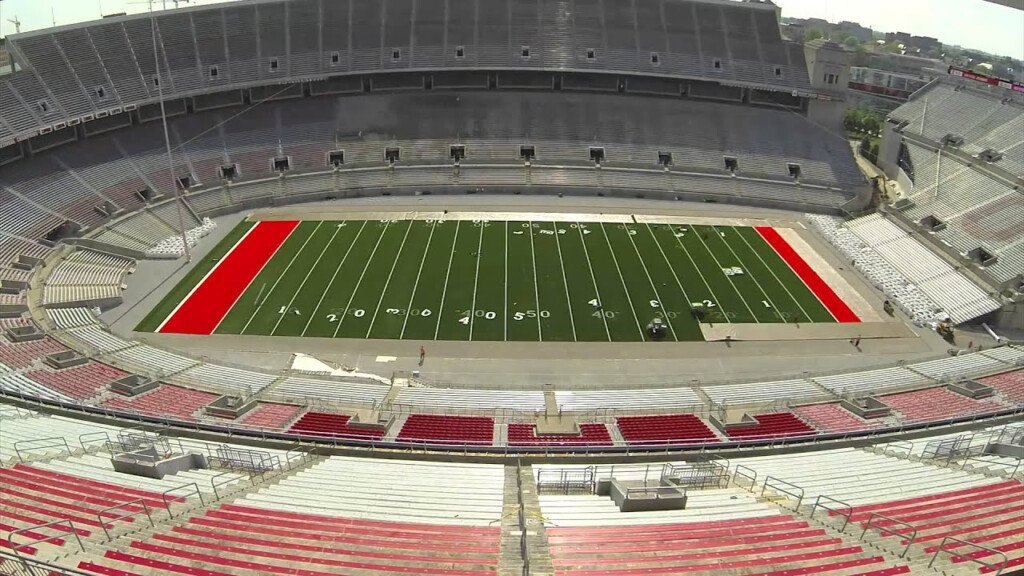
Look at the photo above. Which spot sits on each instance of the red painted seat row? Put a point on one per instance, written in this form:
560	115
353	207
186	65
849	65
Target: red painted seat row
775	545
776	425
593	434
270	415
79	382
166	400
430	428
675	428
327	424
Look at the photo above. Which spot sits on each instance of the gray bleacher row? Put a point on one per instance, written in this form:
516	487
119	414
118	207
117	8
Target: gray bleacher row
80	70
70	182
191	372
985	118
977	210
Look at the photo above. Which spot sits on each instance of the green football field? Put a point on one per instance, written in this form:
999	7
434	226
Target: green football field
507	281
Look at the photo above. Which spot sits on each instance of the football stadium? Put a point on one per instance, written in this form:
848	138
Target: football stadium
501	287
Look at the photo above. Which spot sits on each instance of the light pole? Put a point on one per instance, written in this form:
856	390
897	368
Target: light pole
180	201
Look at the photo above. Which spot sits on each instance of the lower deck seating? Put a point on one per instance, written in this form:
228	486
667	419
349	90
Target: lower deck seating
937	404
775	425
834	418
21	354
675	428
241	539
1009	384
775	545
79	382
436	429
593	434
326	424
164	401
270	415
991	515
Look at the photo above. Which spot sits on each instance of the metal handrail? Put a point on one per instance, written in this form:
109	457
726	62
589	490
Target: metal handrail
81	438
840	511
15	548
145	510
779	485
982	458
214	483
871	524
967	557
752	478
167	504
62	442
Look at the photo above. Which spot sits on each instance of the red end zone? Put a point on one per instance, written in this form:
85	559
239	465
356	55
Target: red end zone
204	307
821	289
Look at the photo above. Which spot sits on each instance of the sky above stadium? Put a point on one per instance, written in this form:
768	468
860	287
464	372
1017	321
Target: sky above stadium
969	23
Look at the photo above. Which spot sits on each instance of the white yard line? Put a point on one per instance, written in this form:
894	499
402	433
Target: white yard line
661	305
622	279
444	292
536	290
565	284
775	308
308	274
279	277
731	283
388	281
668	263
416	284
366	267
476	280
334	277
784	287
718	302
207	275
593	278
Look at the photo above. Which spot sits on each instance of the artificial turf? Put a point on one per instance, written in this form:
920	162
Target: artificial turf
508	281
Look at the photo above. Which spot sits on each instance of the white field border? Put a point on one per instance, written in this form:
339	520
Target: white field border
208	274
830	276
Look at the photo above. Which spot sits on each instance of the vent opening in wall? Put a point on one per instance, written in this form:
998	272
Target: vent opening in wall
214	72
460	52
185	182
778	71
731	164
396	54
336	158
156	81
392	154
527	152
597	154
524	52
717	64
274	64
457	152
655	58
335	57
591	54
281	164
228	172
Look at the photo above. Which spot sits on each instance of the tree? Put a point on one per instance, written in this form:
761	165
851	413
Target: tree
860	57
851	42
813	34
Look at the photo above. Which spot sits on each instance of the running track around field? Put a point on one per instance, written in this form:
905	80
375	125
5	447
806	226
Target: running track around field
204	307
821	289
